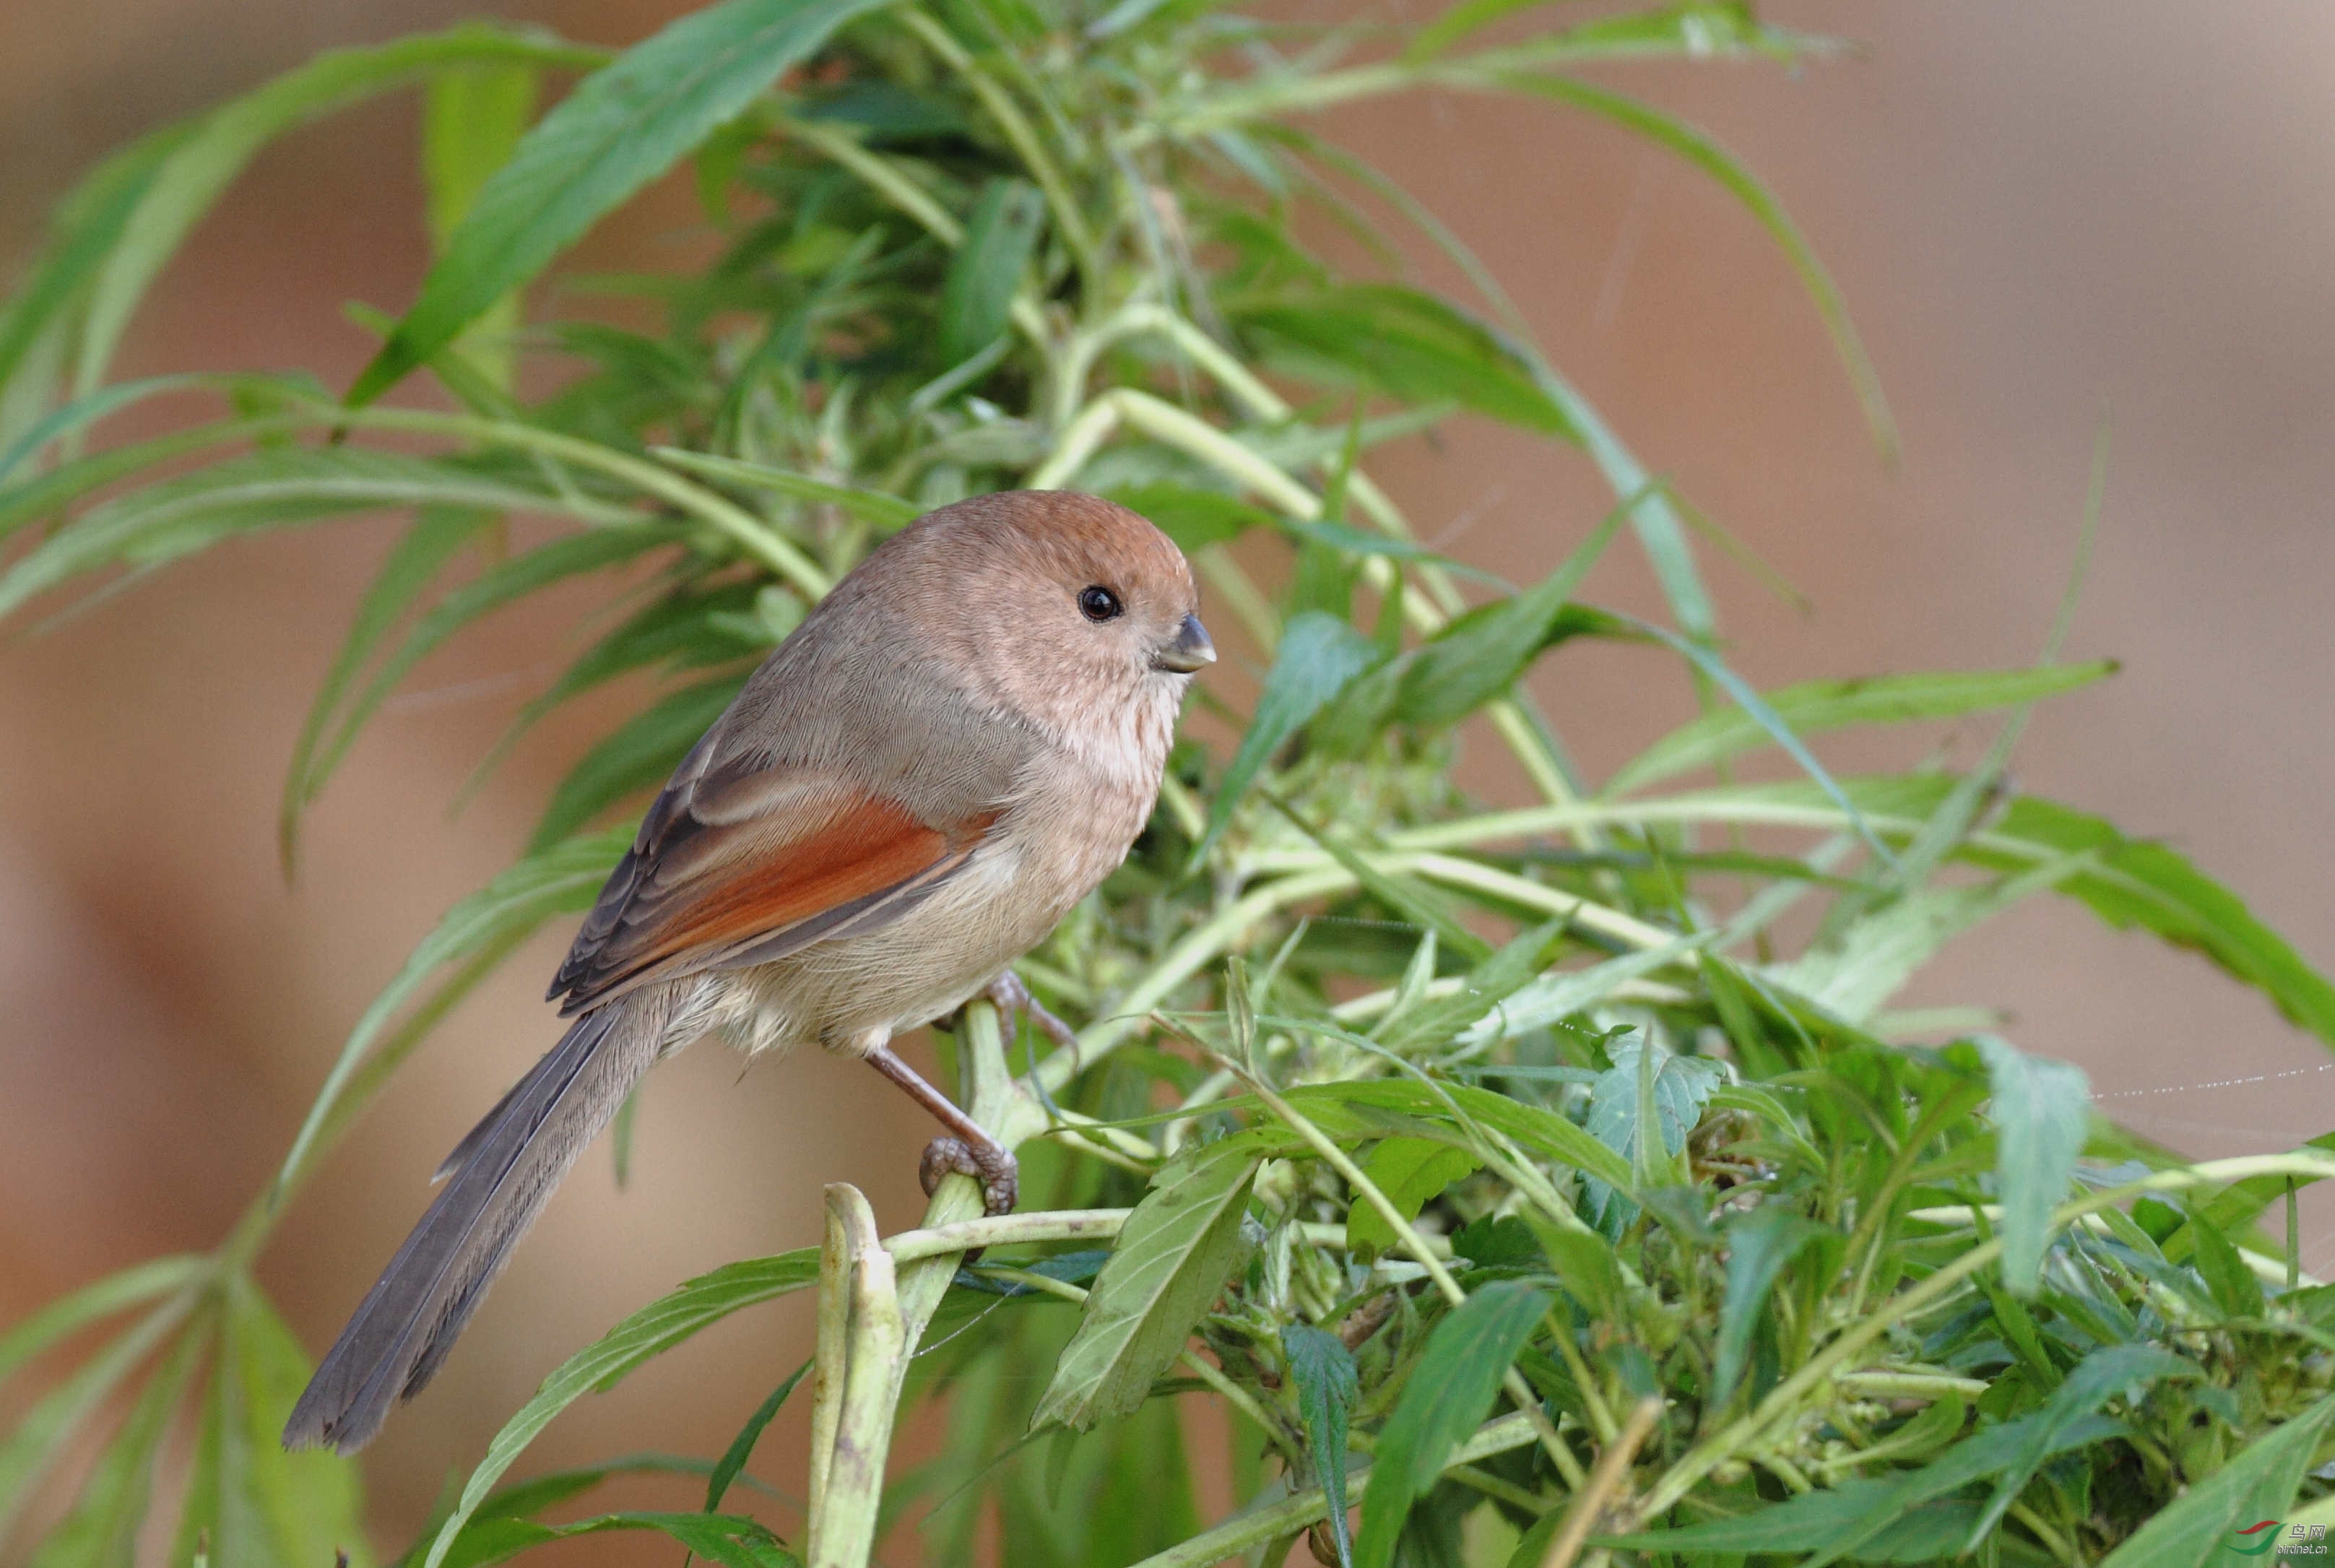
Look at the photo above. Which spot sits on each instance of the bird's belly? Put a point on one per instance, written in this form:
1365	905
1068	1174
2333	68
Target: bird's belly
855	990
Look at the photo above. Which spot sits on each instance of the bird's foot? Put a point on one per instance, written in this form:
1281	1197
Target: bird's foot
1011	995
990	1164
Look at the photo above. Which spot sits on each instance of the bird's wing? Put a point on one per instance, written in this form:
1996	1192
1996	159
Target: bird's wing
746	861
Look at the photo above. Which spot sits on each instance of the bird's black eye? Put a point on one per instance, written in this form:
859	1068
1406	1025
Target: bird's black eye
1098	602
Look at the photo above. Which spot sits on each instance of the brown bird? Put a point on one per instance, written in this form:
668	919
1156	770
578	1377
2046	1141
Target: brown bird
955	746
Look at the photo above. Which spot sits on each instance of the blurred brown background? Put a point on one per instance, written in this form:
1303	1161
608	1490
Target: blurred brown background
2041	216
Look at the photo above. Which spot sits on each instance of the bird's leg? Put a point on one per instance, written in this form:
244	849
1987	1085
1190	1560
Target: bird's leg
970	1151
1011	996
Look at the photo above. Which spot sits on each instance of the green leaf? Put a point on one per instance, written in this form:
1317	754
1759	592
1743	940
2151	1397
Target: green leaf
1194	518
1815	707
1443	1400
1699	30
2041	1110
651	1331
728	1539
977	293
885	511
638	756
1318	656
1665	1090
1432	1020
1409	344
742	1448
1323	1370
2148	885
1542	1131
472	119
2231	1284
1480	654
1846	1520
562	879
1171	1261
621	128
295	1507
278	488
99	1299
2104	1374
413	565
1758	1246
505	583
1409	1171
214	150
41	1435
2259	1484
1722	166
102	1531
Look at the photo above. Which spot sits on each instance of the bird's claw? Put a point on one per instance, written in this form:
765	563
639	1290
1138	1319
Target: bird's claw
991	1164
1011	995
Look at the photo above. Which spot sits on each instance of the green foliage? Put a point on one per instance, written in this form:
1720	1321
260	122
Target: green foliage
1443	1135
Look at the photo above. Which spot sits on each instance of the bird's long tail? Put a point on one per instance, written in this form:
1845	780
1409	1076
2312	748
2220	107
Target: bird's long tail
502	1175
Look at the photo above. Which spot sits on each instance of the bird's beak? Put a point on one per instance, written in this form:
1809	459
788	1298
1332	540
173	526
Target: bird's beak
1189	651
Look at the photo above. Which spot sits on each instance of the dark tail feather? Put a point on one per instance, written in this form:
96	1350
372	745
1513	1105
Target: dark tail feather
505	1172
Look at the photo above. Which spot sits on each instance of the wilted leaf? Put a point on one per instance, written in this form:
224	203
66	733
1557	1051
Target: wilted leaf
1671	1091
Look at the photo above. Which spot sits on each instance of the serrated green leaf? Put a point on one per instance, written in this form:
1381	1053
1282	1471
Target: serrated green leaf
1171	1261
1407	344
621	128
2259	1484
1443	1400
1318	656
1000	234
2042	1111
1637	1096
1409	1171
1323	1370
1815	707
600	1365
559	880
1758	1246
